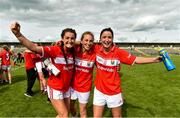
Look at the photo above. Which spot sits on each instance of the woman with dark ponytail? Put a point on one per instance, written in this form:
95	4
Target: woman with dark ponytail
109	58
62	57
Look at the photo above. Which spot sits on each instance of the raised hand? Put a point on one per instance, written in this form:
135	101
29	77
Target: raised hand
15	28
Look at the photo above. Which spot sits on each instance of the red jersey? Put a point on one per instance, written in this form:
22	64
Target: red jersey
5	55
84	70
30	59
61	81
107	77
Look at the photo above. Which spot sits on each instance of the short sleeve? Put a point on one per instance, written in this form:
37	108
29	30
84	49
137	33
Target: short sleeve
49	51
33	56
126	57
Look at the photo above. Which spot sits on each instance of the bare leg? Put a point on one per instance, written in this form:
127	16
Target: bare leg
1	76
98	111
67	103
5	76
83	112
9	76
116	112
60	107
72	108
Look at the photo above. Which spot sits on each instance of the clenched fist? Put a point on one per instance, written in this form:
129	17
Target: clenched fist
15	28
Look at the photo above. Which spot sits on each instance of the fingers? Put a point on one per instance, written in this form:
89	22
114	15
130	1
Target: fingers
159	59
58	43
15	26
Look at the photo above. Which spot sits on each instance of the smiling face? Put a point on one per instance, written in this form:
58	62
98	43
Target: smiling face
106	39
68	36
68	39
87	40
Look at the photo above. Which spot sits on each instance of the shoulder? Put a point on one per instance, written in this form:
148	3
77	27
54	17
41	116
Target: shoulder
77	48
2	52
52	48
97	47
119	49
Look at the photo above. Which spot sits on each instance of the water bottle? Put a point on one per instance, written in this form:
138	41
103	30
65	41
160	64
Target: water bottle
166	59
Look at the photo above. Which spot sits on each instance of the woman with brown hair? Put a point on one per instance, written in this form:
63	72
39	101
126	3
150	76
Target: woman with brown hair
6	64
63	59
82	82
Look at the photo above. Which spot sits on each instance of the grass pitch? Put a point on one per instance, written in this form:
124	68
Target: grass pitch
149	91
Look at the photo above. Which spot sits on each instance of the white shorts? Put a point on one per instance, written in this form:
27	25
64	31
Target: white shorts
56	94
81	96
6	67
112	101
39	66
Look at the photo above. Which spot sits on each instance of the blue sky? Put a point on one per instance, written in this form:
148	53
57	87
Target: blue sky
131	20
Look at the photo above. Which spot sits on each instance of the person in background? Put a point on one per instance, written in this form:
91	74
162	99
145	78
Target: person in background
15	57
30	60
62	67
108	89
19	57
42	81
6	65
1	72
82	82
22	58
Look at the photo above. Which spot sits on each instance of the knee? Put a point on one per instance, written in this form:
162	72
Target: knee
73	111
83	112
64	114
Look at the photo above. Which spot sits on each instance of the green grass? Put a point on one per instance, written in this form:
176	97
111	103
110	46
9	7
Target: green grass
149	91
